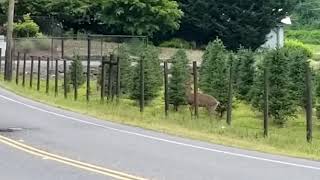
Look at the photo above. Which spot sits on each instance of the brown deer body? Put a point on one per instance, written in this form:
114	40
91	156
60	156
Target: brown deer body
204	100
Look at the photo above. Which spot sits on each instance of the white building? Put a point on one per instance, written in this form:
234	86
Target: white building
276	37
3	45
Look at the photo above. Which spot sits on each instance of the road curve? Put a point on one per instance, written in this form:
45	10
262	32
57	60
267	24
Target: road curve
132	151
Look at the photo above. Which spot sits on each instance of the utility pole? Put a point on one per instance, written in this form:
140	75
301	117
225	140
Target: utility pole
8	63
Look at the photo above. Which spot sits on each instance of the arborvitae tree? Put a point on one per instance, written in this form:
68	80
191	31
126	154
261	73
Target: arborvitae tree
179	79
281	105
125	69
214	73
152	75
76	72
245	75
298	55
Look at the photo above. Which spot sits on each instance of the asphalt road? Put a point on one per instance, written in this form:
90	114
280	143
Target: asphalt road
125	149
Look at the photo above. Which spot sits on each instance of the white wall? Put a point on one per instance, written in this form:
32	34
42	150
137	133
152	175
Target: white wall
274	37
3	45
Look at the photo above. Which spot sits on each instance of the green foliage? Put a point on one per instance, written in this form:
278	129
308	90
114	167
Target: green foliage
27	28
282	106
237	23
244	73
178	43
307	13
125	68
179	79
76	72
214	73
152	75
142	17
298	55
305	36
298	46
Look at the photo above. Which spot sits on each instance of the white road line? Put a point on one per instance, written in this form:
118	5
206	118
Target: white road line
164	140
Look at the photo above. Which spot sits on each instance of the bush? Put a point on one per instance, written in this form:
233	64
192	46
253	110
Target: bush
126	68
214	73
296	45
305	36
178	43
179	79
244	73
282	106
152	75
76	75
298	55
27	28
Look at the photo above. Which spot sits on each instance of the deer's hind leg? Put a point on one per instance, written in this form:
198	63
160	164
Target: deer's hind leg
191	108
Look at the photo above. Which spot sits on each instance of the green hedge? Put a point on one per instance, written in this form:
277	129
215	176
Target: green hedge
305	36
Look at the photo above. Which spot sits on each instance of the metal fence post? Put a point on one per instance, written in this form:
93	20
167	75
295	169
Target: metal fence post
230	96
24	70
31	71
118	89
266	103
195	93
18	68
39	71
166	91
102	80
56	78
48	75
309	103
142	84
88	69
65	81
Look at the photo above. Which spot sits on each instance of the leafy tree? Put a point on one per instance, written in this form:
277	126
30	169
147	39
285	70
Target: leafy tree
152	75
27	28
236	22
281	105
306	13
244	73
178	81
141	17
214	73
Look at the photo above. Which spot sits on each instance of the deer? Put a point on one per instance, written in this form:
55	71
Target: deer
204	100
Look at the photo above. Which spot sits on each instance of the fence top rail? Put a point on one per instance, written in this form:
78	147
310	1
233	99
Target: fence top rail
85	37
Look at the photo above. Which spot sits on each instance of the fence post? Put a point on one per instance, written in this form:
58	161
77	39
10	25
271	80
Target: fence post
230	96
65	80
24	70
102	80
142	84
110	77
309	103
56	78
195	89
18	67
266	103
75	83
88	69
166	91
48	75
39	69
31	71
118	89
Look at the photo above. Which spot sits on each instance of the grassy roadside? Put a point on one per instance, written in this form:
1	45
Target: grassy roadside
245	132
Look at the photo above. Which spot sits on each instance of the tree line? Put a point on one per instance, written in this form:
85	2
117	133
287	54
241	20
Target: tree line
237	23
